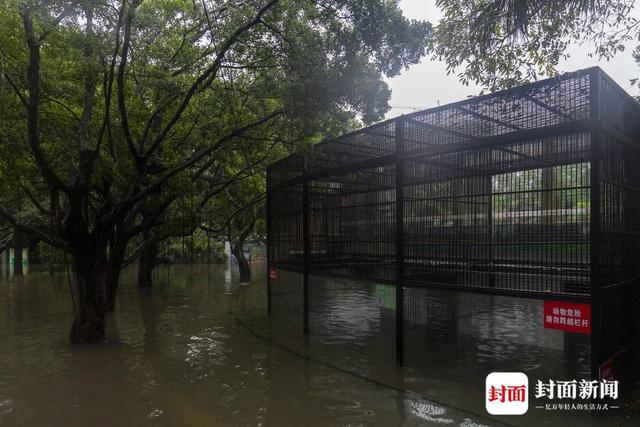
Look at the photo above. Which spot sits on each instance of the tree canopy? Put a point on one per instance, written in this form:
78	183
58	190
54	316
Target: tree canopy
503	43
112	109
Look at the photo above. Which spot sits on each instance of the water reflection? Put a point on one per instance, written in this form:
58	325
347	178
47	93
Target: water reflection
178	356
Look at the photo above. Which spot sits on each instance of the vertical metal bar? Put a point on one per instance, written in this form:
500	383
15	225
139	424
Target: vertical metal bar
269	243
305	250
595	235
488	189
399	164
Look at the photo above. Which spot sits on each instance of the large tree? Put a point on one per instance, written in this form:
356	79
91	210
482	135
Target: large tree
113	106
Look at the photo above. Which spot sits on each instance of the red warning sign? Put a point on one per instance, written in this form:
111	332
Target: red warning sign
606	371
567	316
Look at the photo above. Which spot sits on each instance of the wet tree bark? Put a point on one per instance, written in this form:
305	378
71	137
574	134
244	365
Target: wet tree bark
18	244
243	265
236	249
89	323
148	261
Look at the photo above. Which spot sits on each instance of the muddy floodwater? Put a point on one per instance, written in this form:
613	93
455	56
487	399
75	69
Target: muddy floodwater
199	350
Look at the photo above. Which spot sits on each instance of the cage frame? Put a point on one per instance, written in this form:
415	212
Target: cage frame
301	170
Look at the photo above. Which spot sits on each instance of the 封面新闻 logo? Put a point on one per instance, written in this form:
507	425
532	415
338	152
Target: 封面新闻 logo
507	393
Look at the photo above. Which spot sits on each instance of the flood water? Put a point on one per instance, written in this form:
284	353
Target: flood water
199	350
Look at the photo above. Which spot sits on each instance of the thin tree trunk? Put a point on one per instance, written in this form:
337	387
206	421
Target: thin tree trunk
236	249
243	265
191	251
18	243
6	261
33	250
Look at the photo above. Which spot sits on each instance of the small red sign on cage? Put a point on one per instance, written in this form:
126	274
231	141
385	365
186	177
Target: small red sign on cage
606	370
273	274
567	316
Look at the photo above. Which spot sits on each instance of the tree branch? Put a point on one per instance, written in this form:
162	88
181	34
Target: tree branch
135	254
234	214
33	82
90	83
56	21
106	123
122	105
32	231
210	72
150	220
200	155
16	90
35	201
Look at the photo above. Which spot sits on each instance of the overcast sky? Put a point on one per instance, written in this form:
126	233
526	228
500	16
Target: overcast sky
427	84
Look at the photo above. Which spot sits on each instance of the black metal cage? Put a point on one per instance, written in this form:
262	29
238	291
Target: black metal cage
530	192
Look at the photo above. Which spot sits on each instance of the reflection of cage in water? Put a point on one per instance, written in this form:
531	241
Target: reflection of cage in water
530	192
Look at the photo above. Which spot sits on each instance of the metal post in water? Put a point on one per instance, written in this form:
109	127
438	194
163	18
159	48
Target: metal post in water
269	243
596	300
399	165
305	250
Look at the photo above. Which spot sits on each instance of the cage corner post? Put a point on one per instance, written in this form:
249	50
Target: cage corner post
399	232
269	242
305	250
595	231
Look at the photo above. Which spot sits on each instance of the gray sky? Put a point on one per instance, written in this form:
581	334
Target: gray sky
427	84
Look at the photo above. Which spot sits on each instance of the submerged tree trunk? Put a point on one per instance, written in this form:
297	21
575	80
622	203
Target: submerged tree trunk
243	264
89	323
115	266
147	262
236	250
18	243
